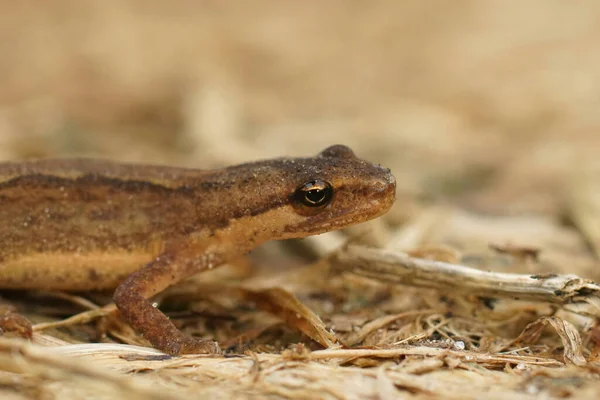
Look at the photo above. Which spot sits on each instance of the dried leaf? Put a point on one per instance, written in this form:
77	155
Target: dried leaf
573	347
285	305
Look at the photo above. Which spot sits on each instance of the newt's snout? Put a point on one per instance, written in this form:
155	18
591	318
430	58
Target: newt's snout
386	182
382	191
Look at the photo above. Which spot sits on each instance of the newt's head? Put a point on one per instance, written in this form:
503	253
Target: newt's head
297	197
337	189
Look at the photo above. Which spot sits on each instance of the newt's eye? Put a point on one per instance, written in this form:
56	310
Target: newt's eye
315	193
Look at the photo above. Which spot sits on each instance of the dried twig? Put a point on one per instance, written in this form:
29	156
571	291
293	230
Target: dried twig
573	292
429	352
81	318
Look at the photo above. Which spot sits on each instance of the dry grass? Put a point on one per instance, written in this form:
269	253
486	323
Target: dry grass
486	113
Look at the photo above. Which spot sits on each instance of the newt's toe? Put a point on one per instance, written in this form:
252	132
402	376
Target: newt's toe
14	322
189	345
200	346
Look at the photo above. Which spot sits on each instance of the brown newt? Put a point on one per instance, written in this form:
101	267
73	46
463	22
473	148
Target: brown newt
84	224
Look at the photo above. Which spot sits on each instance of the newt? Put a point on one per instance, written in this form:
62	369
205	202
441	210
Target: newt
84	224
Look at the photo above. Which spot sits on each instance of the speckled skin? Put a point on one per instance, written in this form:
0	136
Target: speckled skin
89	224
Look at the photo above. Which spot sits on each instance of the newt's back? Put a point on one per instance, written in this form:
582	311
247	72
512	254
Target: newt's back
87	223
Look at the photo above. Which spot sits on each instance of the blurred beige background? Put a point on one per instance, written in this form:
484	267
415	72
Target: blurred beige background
492	103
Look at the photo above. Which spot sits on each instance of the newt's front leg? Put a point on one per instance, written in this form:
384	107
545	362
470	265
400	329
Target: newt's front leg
131	297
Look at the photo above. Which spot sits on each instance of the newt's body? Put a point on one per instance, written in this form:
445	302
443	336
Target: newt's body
87	224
